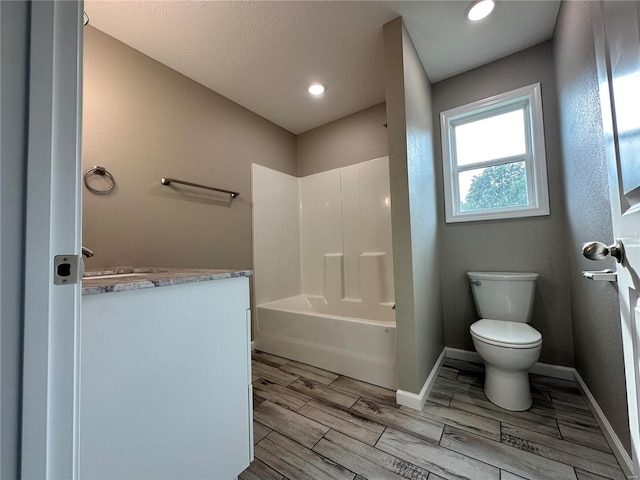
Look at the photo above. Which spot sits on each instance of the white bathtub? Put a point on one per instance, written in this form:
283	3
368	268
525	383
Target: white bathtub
334	337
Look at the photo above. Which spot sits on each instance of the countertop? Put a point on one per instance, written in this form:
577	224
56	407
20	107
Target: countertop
128	278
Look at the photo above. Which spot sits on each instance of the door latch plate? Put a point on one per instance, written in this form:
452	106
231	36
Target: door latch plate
67	269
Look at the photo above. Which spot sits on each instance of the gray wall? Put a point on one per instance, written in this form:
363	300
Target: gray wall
414	210
353	139
594	305
534	244
13	98
143	121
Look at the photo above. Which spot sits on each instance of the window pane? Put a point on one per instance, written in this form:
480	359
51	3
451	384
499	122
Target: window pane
493	187
491	138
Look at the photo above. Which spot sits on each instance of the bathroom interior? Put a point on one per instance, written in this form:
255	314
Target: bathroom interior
304	220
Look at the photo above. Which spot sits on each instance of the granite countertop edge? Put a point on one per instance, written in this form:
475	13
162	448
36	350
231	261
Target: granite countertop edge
126	279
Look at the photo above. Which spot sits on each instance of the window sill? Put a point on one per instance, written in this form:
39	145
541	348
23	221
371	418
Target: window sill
496	215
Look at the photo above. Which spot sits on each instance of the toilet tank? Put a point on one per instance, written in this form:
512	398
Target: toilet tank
503	295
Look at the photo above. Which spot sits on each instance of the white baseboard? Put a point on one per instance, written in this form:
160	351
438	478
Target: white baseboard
553	371
253	345
566	373
417	401
465	355
614	442
546	369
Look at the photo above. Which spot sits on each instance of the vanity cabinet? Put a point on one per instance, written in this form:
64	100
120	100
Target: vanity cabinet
164	389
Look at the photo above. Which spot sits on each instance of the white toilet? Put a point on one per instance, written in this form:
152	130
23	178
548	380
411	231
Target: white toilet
508	346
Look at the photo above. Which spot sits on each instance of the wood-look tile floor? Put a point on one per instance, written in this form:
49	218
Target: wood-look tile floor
313	424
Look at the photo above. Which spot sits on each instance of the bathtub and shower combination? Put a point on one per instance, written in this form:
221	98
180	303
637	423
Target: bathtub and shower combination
323	270
347	338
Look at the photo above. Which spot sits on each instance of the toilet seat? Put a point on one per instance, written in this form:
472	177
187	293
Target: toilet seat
506	334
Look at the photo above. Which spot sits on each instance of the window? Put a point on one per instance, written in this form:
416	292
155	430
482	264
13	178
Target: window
493	157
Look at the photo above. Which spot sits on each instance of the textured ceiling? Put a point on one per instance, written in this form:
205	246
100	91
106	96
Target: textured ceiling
264	54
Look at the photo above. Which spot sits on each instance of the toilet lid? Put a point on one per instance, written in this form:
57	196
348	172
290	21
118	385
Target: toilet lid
514	334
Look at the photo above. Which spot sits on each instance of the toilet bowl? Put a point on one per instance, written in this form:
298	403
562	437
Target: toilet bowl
503	338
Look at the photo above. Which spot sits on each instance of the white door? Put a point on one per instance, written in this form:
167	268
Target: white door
52	312
617	42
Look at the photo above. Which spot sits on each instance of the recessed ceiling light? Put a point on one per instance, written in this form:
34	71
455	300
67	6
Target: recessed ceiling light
316	89
480	9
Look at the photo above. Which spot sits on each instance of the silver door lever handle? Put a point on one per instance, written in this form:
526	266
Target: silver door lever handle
599	251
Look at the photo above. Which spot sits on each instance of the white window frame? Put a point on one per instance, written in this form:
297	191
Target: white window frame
534	158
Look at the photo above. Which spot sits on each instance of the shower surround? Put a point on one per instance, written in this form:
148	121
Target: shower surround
324	270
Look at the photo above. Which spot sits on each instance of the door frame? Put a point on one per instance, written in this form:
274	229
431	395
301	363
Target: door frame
53	226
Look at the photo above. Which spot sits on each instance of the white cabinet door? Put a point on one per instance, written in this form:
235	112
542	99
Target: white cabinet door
163	391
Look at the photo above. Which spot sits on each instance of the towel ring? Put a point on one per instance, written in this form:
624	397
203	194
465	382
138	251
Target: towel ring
96	170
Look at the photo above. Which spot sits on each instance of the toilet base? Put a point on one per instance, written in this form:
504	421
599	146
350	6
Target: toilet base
508	389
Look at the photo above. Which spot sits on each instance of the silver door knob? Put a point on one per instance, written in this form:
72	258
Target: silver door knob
599	251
